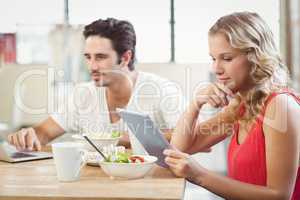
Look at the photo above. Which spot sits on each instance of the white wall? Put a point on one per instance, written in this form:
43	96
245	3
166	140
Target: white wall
35	87
35	91
32	91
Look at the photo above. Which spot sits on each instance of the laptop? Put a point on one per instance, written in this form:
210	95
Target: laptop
9	153
147	133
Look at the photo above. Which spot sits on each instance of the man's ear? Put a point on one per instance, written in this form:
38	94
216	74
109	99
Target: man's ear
126	58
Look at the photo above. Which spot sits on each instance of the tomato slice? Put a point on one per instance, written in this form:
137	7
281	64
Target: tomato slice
135	158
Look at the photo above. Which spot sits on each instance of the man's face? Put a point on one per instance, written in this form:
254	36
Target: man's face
101	59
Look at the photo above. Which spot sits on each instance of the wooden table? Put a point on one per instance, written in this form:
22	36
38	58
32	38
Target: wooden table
37	180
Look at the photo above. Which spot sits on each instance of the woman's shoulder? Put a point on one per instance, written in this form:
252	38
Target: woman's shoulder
280	108
282	96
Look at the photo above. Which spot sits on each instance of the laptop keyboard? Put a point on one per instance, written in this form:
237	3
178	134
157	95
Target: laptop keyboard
21	155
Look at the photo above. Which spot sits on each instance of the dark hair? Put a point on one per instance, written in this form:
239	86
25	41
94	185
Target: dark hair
120	32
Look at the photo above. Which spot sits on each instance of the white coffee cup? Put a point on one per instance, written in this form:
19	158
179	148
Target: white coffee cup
69	158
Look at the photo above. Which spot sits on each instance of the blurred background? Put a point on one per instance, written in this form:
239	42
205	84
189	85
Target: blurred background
41	47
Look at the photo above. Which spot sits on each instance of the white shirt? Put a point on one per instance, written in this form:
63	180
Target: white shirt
86	109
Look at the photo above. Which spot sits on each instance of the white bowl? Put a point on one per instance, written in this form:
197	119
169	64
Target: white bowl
99	142
129	170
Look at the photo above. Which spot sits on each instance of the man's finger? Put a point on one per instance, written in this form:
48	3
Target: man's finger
21	138
15	141
10	139
21	141
29	141
37	145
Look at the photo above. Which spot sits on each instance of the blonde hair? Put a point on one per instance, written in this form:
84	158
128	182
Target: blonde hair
249	33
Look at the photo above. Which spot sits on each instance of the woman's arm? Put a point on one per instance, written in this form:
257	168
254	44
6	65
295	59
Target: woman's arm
281	130
183	135
282	153
192	136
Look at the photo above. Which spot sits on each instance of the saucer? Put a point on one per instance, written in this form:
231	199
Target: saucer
93	159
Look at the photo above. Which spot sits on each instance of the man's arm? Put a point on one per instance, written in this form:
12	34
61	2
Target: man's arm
48	130
124	141
34	137
167	133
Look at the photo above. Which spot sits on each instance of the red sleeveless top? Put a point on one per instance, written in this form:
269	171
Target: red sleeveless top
247	161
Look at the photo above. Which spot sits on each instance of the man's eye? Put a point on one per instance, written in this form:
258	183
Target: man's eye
100	57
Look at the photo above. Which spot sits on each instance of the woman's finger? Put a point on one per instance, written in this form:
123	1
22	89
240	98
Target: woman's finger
217	100
172	167
172	160
174	153
222	95
212	102
224	88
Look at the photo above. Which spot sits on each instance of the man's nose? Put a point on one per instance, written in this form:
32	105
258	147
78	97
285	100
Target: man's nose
94	65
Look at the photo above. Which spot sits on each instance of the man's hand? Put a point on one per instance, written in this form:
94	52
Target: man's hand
25	139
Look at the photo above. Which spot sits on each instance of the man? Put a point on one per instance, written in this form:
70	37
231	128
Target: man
110	55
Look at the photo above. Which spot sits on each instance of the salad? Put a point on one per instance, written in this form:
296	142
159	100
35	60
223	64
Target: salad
121	157
113	134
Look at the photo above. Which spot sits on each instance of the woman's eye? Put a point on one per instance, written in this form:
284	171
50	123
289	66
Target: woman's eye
227	59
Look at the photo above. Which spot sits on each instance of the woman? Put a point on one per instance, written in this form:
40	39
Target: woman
262	117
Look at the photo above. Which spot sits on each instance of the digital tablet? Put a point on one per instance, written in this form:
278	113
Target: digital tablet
147	133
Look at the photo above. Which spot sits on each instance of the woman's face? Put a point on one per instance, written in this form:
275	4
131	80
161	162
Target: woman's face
230	65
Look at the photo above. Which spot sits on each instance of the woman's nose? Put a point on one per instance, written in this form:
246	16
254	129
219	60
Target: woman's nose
217	67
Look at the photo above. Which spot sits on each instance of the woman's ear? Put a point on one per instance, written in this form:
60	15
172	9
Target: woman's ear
126	58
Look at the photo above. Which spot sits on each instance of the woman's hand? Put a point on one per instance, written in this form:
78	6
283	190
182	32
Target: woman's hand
231	111
183	165
215	94
219	95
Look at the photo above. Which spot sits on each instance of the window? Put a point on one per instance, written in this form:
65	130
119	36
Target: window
194	18
31	20
150	20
